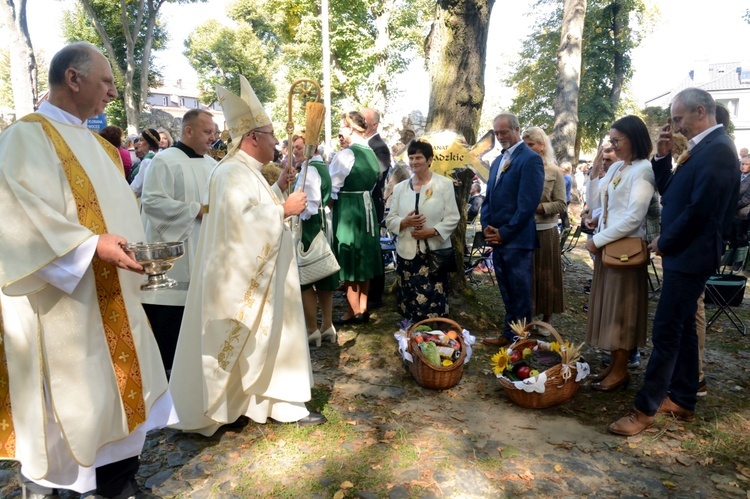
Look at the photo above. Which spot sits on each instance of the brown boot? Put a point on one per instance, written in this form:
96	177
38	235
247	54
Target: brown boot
669	407
603	374
632	423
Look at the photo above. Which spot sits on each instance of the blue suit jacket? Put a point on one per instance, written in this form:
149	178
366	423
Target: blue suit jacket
511	201
699	203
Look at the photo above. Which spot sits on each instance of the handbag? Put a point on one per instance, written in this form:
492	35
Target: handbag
625	252
318	262
442	260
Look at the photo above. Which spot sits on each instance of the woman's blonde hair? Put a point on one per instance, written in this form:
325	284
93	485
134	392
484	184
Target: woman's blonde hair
537	135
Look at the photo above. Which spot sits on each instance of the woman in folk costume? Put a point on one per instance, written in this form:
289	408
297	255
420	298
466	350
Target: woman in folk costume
318	189
354	172
242	349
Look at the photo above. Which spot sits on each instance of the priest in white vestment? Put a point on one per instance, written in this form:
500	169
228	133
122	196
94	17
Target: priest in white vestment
242	349
171	209
81	380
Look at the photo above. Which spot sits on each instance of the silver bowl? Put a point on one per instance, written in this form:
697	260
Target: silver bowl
157	259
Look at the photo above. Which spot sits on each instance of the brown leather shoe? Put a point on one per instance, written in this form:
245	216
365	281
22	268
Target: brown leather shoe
632	423
496	342
669	407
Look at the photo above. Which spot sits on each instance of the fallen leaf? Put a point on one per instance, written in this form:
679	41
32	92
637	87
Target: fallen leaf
632	445
646	452
558	468
339	494
346	485
394	411
526	475
668	484
390	434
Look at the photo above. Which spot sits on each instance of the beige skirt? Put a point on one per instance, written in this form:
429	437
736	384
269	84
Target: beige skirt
547	284
618	307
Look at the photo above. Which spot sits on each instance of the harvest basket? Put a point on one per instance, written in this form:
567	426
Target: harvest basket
558	390
434	377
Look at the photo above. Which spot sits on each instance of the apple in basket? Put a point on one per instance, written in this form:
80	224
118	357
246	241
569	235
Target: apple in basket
523	372
515	356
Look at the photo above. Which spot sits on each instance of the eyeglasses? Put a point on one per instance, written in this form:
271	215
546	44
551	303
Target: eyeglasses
616	142
263	131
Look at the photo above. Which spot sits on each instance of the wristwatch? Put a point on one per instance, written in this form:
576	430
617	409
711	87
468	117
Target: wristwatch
436	233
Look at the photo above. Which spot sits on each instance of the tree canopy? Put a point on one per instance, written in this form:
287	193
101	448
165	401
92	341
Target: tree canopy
611	30
371	41
128	32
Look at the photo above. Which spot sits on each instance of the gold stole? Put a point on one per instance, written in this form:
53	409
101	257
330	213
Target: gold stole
111	302
7	433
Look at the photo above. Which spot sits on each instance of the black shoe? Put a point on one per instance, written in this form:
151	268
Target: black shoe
312	419
365	316
354	319
240	423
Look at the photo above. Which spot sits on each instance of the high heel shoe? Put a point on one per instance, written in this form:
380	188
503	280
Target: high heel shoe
315	336
330	332
601	387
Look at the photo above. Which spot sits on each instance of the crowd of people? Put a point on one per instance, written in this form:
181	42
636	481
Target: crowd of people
90	363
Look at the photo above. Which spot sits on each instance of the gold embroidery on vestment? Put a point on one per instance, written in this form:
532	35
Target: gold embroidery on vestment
233	335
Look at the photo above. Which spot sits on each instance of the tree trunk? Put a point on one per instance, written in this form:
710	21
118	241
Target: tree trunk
134	98
569	58
382	42
618	64
462	186
23	70
456	49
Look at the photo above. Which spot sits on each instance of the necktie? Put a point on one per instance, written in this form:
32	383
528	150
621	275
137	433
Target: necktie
503	160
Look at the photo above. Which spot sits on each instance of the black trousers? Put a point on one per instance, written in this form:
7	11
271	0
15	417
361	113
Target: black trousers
115	480
165	321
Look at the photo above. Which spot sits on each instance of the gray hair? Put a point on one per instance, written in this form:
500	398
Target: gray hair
512	120
537	135
693	97
77	55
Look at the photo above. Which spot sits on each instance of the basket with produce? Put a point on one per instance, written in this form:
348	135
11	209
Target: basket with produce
537	374
438	353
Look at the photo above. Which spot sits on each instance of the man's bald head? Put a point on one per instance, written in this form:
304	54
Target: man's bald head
372	117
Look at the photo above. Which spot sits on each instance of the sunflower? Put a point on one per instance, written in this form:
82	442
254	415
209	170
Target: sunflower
500	361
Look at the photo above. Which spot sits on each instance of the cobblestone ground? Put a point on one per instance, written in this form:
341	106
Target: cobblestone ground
388	437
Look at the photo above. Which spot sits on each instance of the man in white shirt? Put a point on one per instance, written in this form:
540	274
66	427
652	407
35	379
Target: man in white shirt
171	210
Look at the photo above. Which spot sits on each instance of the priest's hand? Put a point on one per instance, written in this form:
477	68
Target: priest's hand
295	204
111	248
286	178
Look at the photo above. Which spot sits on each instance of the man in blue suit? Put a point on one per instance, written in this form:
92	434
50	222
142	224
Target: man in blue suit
513	193
699	200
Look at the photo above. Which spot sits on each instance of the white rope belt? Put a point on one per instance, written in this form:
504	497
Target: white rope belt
368	208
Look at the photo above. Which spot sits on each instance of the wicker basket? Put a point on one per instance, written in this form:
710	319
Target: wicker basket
427	375
557	390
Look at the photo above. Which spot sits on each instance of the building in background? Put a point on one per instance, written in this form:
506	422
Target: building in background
729	85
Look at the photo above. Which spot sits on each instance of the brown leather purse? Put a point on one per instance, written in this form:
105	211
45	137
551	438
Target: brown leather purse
625	252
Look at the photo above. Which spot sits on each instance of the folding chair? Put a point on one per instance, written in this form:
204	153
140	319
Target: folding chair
567	245
388	251
727	289
479	260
